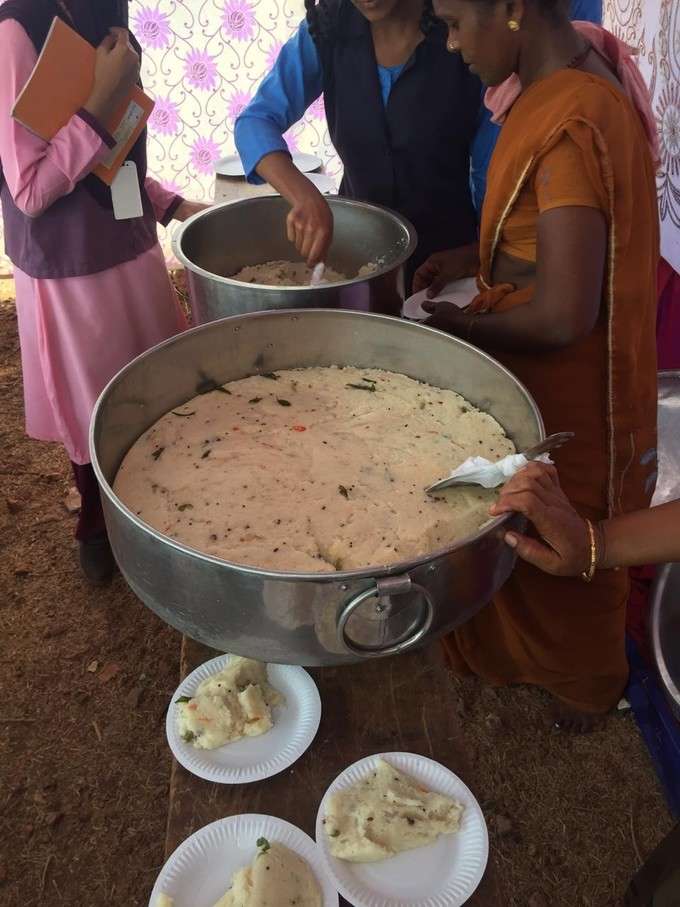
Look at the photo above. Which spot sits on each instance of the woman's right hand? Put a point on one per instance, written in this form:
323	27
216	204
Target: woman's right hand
310	224
310	221
116	71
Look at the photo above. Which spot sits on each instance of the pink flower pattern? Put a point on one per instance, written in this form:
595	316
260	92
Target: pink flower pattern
239	20
165	117
151	27
200	70
204	153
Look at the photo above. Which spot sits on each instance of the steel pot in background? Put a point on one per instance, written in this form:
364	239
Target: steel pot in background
221	240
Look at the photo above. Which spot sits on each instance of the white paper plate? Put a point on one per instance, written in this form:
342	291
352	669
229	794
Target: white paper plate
252	758
323	183
198	873
231	164
460	293
443	874
307	163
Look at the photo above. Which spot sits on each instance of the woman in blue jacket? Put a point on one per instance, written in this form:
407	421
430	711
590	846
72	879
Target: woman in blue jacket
402	113
405	116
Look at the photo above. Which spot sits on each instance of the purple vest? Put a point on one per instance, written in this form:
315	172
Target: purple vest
78	233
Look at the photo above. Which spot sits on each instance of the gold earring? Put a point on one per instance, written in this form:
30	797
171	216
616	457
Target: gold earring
513	25
452	46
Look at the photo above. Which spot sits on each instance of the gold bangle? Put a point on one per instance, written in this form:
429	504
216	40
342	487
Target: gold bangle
588	574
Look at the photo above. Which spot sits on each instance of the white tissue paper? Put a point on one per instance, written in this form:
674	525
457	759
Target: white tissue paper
480	471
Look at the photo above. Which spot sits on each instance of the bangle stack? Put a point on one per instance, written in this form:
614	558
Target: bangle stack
589	572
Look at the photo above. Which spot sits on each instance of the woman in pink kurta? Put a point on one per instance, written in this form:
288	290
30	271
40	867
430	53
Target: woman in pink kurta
91	292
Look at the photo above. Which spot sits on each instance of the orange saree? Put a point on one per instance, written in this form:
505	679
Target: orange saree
573	139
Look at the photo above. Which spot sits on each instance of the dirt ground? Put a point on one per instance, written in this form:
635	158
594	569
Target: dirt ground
84	766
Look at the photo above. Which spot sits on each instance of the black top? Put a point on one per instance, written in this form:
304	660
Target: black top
413	154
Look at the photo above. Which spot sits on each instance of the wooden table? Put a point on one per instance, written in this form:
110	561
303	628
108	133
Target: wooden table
405	703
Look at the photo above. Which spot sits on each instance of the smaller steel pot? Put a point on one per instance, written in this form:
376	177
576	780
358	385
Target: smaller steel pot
221	240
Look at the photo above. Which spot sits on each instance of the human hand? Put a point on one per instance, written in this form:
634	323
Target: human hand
188	208
448	317
564	545
310	224
116	71
444	267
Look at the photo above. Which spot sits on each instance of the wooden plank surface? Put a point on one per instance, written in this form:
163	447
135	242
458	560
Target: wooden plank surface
405	703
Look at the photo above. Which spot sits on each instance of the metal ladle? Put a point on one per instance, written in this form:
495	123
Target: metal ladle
552	442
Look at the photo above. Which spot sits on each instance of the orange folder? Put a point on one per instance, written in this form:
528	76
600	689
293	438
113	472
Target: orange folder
61	83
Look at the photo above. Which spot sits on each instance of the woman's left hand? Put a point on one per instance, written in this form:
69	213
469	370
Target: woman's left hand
447	317
446	266
188	209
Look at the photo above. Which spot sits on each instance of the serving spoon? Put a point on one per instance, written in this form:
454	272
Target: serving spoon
317	275
552	442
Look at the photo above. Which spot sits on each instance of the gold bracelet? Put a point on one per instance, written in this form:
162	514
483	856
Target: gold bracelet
588	574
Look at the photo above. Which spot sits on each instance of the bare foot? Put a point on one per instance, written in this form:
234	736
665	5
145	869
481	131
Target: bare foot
572	721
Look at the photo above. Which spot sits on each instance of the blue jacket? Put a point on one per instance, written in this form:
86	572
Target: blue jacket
297	80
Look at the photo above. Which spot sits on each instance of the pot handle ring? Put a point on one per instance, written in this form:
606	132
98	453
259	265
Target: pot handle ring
389	586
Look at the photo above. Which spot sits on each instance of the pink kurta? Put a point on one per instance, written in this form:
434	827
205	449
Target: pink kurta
75	332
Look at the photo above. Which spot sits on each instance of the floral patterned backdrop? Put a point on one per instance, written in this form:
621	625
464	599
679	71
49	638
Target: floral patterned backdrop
203	60
653	27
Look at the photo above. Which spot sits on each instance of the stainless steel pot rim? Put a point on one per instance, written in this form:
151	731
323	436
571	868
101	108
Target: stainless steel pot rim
662	580
403	256
337	576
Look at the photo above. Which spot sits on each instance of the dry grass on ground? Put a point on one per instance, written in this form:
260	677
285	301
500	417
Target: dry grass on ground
86	676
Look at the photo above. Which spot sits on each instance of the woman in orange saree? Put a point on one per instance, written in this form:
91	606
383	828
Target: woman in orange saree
568	258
